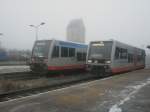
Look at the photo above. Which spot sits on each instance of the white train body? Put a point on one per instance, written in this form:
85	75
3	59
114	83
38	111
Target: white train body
114	57
56	55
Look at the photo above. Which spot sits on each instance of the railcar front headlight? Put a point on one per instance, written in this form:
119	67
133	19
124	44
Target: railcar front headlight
89	61
95	61
108	62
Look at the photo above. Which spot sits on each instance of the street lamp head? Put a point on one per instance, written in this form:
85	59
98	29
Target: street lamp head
42	23
36	29
148	46
1	34
31	25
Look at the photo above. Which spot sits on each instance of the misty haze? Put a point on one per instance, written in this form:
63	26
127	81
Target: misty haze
126	21
74	55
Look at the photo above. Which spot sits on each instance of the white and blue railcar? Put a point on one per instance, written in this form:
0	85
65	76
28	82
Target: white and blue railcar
57	55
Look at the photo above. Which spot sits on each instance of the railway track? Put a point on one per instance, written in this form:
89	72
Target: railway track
58	83
19	76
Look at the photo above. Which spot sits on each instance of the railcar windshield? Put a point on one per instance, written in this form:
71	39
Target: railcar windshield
41	49
100	50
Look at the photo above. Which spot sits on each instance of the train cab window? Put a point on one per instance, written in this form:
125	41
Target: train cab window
71	52
64	52
55	52
41	48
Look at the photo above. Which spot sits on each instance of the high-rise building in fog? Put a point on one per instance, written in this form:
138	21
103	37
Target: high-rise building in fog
76	31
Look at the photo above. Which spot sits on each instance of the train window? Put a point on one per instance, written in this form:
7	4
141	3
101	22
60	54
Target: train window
55	52
123	53
130	58
139	58
81	56
143	55
71	52
117	53
64	52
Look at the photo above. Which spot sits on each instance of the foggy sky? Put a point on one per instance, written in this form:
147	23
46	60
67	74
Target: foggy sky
124	20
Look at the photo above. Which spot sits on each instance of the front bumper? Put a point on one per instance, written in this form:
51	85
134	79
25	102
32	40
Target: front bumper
98	67
38	67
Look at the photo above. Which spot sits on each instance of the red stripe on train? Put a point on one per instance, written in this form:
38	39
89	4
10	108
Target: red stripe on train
126	69
66	67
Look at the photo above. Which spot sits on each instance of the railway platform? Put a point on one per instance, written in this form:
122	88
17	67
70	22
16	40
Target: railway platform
128	92
11	69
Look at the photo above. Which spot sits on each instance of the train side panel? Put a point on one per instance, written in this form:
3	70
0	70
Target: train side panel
129	58
139	58
121	63
69	56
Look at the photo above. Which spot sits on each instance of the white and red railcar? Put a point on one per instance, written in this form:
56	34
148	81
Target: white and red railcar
57	55
114	57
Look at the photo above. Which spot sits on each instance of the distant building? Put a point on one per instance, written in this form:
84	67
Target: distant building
3	54
76	31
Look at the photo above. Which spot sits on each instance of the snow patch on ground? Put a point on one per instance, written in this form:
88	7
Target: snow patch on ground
135	89
10	69
115	108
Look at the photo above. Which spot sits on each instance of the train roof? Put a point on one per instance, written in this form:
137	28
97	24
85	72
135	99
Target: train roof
62	41
116	41
68	43
128	45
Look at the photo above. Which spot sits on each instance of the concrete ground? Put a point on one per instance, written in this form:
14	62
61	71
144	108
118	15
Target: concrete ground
129	92
10	69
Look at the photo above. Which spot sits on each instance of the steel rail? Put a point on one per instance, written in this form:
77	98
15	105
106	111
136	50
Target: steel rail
27	92
19	76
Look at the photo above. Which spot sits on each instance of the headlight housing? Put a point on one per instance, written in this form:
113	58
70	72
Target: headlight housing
95	61
108	62
89	61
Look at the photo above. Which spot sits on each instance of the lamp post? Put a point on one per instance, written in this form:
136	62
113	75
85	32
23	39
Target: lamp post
1	34
36	29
